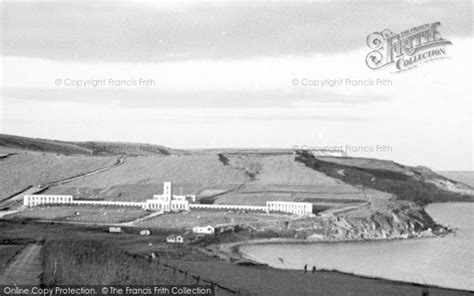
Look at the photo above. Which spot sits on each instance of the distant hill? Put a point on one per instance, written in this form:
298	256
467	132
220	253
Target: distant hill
82	148
418	184
466	177
221	176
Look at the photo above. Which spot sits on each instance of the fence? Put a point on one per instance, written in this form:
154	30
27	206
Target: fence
218	288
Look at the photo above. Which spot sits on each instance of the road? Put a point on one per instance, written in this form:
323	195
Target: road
2	156
5	213
119	162
25	269
14	202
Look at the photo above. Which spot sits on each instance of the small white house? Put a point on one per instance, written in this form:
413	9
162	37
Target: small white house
115	229
145	232
204	230
175	239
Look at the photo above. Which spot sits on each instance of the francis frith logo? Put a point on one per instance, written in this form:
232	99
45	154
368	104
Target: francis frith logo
407	49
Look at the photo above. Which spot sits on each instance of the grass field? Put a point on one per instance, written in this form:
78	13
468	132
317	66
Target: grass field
89	214
366	163
235	178
218	176
7	252
274	176
18	143
280	177
97	263
141	177
415	186
204	218
24	169
272	282
78	255
22	232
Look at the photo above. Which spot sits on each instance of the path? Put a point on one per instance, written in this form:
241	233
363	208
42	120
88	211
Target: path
119	162
5	213
25	269
5	155
13	202
147	217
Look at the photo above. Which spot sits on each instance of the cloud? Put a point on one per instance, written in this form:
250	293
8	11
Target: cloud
102	31
138	98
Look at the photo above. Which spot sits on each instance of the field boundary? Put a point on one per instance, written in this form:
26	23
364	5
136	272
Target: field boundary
198	278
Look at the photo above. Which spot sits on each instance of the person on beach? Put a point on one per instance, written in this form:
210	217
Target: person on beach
306	268
314	269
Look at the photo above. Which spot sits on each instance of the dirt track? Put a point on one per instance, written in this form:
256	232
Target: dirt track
13	202
120	161
25	269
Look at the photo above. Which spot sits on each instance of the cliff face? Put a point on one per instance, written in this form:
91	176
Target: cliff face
426	175
417	184
405	220
398	223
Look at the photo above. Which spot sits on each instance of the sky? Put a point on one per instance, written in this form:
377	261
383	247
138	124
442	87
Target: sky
204	74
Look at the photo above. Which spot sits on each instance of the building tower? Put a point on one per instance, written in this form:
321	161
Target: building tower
167	190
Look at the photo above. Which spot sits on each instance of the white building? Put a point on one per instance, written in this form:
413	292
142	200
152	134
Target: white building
115	229
298	208
145	232
204	230
168	202
175	239
36	200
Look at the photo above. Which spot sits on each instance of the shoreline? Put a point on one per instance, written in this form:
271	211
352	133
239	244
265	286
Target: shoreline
332	278
235	249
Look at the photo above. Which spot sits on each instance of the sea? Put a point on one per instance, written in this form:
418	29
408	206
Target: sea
445	261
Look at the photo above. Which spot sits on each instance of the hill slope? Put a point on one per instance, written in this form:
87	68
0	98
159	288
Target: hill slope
220	176
417	184
10	143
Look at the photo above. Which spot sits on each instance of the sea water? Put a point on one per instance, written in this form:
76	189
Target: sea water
446	261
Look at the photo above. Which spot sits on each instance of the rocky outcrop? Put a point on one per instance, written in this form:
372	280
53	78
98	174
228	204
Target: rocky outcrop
401	222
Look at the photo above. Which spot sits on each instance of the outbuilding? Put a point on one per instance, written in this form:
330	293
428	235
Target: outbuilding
145	232
204	230
175	239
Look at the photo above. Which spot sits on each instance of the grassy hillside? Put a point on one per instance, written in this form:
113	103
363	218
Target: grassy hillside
412	184
90	214
280	177
366	163
237	178
222	176
7	252
41	145
10	143
97	263
23	169
466	177
141	177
